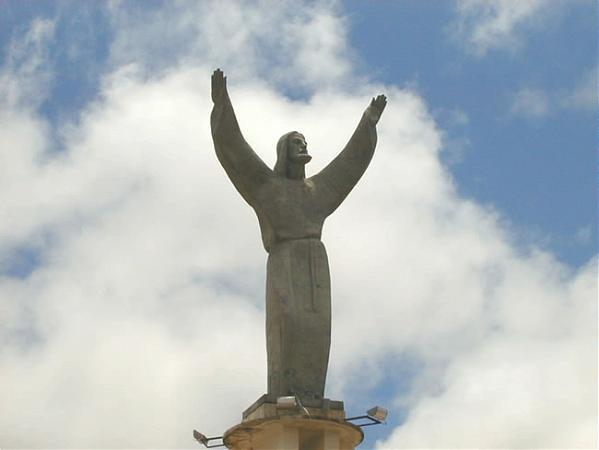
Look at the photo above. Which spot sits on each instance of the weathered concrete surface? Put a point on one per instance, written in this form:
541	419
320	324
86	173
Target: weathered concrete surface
291	210
293	433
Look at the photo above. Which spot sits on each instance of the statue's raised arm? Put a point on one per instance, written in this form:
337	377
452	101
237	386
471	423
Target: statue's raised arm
338	178
244	167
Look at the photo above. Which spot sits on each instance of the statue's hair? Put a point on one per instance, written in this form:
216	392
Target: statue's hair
281	167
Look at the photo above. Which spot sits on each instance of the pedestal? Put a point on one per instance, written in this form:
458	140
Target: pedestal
269	427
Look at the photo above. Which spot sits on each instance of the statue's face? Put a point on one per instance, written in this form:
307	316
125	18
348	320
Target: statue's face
297	149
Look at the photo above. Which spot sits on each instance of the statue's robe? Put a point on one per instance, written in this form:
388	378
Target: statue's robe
291	214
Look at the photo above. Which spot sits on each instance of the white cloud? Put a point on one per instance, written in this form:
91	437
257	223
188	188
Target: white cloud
484	25
530	103
584	235
26	73
584	95
291	47
536	360
144	318
537	103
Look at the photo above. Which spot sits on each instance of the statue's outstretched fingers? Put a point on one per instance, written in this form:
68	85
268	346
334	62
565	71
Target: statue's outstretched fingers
218	85
218	76
381	102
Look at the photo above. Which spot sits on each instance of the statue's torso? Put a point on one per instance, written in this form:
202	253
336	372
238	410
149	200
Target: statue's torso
298	292
289	209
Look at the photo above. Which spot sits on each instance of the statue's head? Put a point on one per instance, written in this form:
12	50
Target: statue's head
291	149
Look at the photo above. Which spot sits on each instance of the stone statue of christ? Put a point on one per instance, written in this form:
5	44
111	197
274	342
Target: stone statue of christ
291	210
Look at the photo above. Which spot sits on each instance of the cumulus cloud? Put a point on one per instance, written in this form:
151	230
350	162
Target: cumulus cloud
143	316
26	71
536	351
530	102
483	25
584	95
292	48
537	103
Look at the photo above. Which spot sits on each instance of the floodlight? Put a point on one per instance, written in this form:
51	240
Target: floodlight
288	402
374	416
200	437
291	402
205	441
379	413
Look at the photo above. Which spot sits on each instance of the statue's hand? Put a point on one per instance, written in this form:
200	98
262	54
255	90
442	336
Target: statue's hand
219	86
375	109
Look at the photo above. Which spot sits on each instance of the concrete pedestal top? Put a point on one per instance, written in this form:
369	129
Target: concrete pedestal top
293	433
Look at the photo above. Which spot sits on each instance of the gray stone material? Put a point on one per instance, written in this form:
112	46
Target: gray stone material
291	210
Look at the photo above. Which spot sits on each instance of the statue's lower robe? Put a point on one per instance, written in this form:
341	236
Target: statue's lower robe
298	318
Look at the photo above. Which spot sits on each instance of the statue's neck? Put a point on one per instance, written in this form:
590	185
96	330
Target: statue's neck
296	171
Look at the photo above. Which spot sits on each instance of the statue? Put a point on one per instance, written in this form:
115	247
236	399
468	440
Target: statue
291	210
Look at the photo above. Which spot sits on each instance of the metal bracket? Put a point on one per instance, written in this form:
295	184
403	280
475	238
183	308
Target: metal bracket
373	421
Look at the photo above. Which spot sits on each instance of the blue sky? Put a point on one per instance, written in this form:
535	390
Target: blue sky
538	171
474	230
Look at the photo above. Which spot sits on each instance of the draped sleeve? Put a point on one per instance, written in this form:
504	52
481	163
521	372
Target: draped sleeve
336	180
243	166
